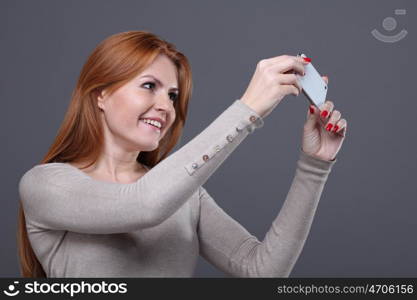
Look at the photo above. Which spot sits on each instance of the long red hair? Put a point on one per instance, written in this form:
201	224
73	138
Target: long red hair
114	62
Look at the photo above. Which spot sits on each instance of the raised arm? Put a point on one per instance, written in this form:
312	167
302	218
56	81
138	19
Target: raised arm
232	249
59	196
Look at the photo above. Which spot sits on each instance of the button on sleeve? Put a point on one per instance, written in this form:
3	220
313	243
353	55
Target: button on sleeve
244	121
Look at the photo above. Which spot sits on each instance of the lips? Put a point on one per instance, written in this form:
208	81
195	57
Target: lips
160	120
150	126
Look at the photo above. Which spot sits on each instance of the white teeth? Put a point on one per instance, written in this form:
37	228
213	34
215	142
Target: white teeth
152	122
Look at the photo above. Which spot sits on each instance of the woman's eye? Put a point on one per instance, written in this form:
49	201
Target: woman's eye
151	83
173	96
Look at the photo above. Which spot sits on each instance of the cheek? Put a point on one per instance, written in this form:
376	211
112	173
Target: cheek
173	116
117	121
171	121
122	117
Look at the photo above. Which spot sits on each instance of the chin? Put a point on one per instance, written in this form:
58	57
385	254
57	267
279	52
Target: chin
148	147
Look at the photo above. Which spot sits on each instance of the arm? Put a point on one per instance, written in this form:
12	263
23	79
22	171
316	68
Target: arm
57	196
231	248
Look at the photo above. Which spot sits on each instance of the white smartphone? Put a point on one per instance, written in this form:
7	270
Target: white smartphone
313	86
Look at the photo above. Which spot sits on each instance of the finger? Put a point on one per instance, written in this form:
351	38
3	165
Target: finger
281	58
289	79
340	125
326	79
326	109
290	89
312	116
333	119
290	63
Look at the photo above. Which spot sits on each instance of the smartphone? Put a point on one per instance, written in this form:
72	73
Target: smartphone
313	86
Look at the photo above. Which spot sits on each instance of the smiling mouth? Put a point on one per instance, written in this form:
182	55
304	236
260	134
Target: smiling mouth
157	129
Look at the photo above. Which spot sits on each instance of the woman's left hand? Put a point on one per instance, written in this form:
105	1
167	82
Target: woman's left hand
322	141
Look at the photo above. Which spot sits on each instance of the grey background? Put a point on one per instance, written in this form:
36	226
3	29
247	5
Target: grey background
365	224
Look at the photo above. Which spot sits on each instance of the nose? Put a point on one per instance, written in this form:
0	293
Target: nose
163	102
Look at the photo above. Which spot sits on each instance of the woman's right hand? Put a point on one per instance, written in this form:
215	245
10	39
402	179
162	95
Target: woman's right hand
272	81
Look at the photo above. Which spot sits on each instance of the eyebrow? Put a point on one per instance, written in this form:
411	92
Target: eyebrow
158	81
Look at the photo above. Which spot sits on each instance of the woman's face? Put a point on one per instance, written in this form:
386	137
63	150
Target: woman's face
141	97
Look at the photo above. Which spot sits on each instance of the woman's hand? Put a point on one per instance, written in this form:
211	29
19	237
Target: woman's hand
323	141
270	82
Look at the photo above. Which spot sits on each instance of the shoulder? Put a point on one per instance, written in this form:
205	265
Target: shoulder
41	174
49	169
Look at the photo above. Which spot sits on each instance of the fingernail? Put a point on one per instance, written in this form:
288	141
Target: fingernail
311	109
307	59
324	113
329	127
335	128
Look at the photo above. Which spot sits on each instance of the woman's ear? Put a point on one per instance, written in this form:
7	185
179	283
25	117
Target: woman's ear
100	96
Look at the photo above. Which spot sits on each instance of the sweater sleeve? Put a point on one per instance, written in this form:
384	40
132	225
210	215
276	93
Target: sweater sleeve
232	249
59	196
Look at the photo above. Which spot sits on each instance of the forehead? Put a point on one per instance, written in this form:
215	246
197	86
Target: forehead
163	69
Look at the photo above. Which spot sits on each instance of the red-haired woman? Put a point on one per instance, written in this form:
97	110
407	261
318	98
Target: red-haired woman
108	201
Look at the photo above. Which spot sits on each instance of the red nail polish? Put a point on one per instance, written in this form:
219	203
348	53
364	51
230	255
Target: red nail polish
307	59
329	127
324	113
335	128
311	109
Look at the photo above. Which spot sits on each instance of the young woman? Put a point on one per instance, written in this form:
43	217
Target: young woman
108	201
